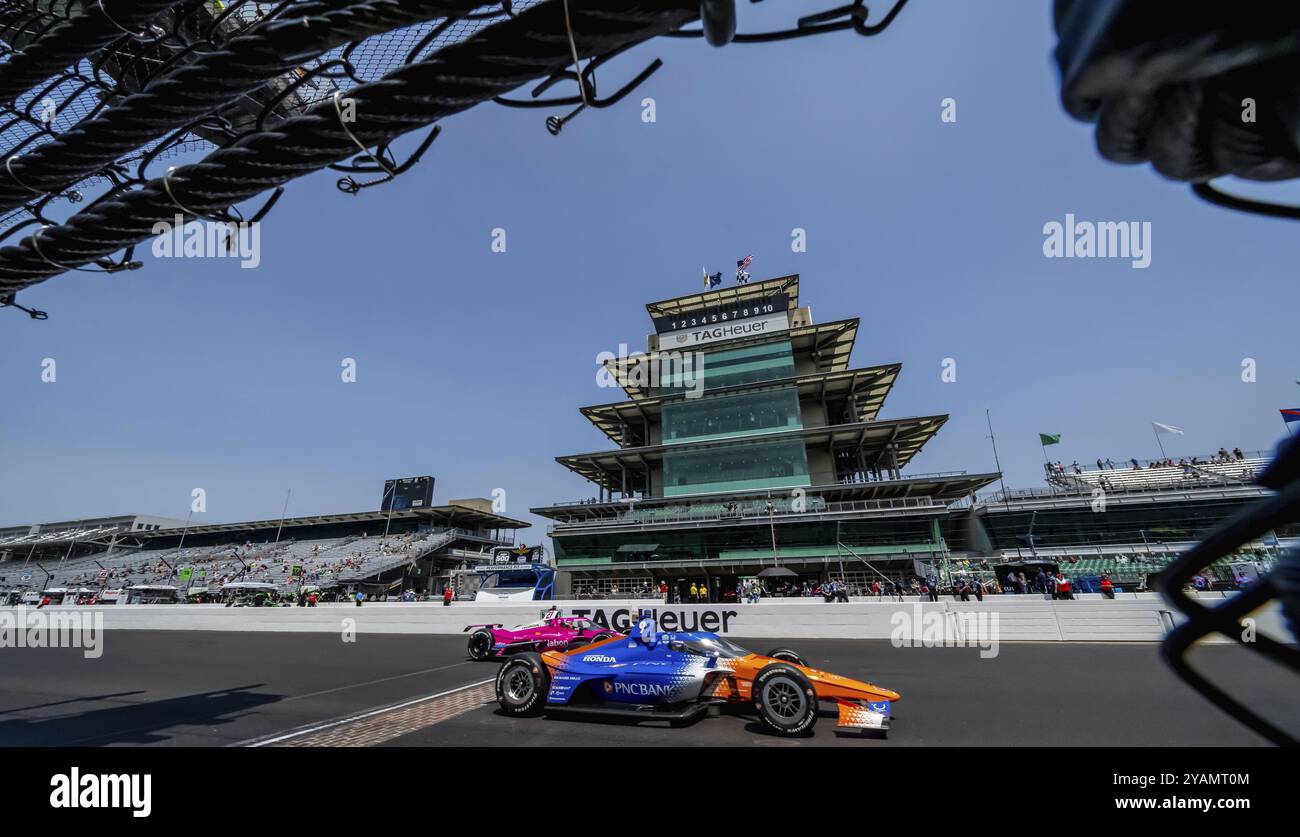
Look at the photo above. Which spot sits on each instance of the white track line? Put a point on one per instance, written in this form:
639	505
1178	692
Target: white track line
331	724
373	682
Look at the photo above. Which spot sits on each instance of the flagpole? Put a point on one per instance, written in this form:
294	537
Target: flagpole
996	462
1156	431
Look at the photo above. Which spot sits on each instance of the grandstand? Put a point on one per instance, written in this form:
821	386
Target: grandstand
1127	522
69	538
414	549
1162	473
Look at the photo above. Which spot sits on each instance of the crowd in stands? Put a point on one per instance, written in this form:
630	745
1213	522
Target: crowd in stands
323	563
970	580
1223	457
1223	468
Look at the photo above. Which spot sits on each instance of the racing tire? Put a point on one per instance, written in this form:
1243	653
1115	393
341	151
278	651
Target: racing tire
601	637
480	644
785	655
522	685
785	700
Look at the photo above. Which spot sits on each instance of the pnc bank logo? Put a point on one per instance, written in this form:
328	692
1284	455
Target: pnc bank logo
641	689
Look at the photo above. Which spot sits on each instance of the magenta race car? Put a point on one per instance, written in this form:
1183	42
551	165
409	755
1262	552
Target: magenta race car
552	631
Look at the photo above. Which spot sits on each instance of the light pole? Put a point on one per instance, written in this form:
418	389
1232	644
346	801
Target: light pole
771	525
391	499
284	511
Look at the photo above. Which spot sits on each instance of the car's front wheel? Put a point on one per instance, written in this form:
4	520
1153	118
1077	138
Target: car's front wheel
522	685
785	700
785	655
480	644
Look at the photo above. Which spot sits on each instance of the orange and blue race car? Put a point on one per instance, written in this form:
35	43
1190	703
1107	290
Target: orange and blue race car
678	676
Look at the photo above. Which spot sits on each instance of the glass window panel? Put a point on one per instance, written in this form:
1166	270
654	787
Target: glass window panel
737	467
747	414
729	367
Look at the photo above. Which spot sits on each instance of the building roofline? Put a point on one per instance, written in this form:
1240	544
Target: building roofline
730	293
910	433
875	382
451	512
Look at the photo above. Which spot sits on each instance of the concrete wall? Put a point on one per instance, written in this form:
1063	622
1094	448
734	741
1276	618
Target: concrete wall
1141	617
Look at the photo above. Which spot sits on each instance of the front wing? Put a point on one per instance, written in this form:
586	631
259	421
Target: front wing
853	715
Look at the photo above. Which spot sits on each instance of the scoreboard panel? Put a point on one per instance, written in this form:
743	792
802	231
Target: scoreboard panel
716	315
406	493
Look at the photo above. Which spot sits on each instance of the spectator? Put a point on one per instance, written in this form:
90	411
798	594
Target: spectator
360	597
1107	588
1063	587
447	595
1238	454
1040	581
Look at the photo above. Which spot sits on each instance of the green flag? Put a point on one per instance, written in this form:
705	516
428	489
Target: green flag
1046	439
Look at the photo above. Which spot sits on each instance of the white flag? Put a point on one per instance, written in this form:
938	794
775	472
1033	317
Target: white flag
1166	428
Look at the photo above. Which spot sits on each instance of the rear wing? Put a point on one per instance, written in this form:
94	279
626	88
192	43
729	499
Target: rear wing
467	627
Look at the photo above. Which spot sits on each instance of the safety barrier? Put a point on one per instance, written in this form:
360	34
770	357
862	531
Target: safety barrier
1142	618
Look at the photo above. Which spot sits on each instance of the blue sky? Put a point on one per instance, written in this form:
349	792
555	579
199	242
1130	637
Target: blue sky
471	364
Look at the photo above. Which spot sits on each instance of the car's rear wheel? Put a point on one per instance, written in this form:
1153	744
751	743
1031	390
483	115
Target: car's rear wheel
785	699
480	644
522	685
785	655
601	637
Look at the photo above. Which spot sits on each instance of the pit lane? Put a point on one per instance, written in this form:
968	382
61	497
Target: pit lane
216	688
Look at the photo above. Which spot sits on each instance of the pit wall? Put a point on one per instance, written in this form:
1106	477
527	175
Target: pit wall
1128	618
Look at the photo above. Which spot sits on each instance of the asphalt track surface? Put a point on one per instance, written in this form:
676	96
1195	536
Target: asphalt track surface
216	688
